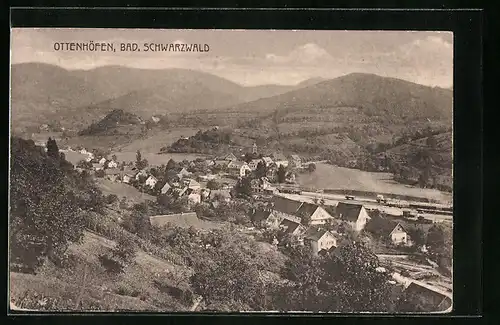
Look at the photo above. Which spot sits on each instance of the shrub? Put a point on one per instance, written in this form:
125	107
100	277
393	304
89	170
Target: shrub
125	250
111	198
110	264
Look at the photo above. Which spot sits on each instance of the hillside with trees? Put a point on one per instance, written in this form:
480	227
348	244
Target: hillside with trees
117	122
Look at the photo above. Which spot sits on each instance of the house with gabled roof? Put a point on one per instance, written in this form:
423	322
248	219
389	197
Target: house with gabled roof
316	214
268	161
286	208
354	214
254	163
112	174
387	229
165	188
183	173
296	161
296	210
151	181
221	163
292	227
228	157
128	173
141	173
265	218
319	240
192	184
239	168
280	160
97	166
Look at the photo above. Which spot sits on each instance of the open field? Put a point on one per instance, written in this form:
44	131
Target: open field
332	177
120	189
73	156
153	143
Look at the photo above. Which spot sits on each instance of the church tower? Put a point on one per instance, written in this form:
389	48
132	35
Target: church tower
254	148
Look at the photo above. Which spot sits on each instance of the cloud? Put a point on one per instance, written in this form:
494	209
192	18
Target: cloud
307	54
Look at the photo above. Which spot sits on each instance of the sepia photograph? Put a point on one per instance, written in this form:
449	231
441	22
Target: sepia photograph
231	171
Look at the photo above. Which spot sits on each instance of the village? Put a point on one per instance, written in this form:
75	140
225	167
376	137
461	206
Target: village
285	214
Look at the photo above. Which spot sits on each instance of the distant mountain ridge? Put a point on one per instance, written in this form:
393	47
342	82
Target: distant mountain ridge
369	94
43	92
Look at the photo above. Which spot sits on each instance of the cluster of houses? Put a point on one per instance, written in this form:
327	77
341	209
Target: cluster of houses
289	215
240	168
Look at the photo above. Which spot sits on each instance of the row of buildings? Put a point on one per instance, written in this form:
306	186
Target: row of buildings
305	220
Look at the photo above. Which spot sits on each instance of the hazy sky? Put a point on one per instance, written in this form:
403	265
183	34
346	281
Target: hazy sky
256	57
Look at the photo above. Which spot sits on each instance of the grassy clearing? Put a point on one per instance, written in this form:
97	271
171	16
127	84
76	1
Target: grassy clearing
332	177
154	142
121	189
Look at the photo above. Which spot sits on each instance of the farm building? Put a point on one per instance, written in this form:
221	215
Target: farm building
355	214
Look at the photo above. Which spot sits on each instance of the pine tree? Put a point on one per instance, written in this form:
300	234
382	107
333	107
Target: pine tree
52	149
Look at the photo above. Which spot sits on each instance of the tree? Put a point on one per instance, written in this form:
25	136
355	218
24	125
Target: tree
84	164
417	235
261	170
52	149
439	244
244	187
281	174
139	162
114	158
44	211
228	280
171	164
344	281
125	250
213	185
311	167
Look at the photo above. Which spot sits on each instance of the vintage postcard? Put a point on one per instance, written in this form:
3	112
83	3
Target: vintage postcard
231	171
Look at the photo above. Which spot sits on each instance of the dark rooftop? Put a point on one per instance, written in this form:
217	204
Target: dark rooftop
348	211
285	205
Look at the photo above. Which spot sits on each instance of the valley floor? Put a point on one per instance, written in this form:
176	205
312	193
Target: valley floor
331	177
